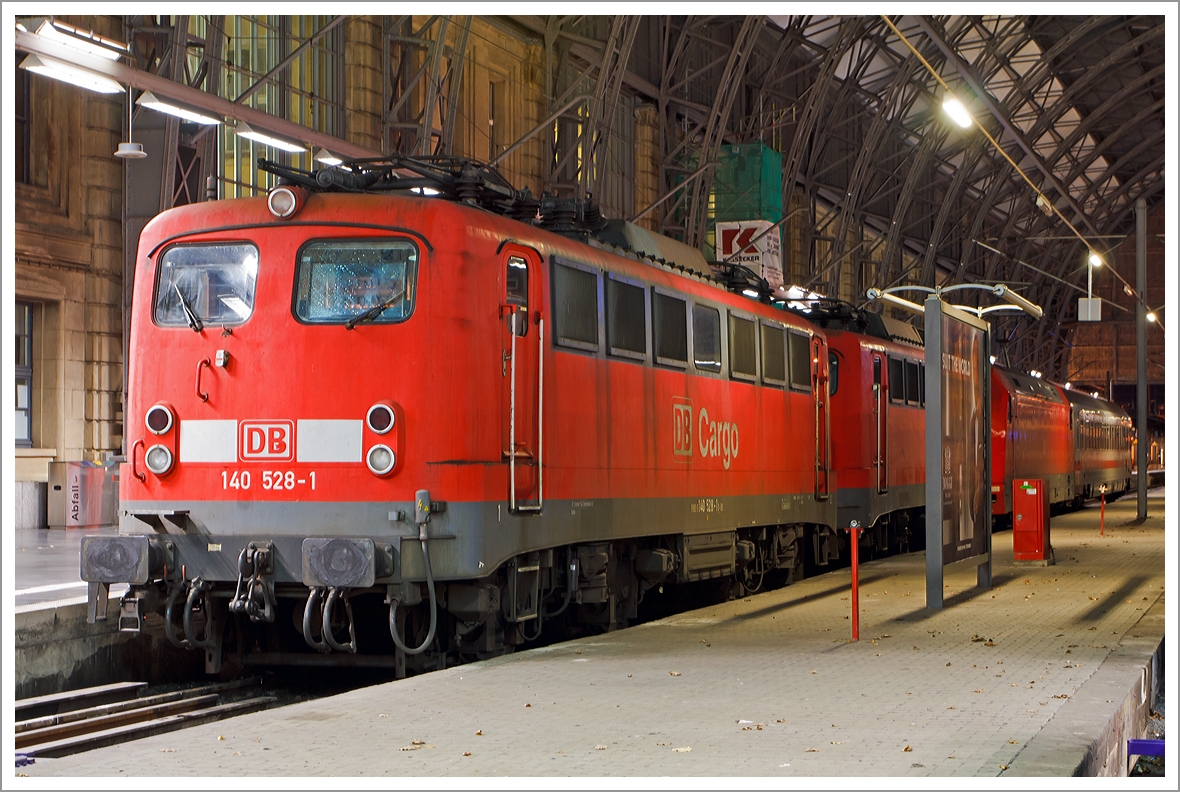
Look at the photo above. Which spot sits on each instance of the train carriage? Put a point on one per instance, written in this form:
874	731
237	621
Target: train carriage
1102	445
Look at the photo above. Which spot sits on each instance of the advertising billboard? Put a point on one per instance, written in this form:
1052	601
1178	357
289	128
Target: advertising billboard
736	243
958	434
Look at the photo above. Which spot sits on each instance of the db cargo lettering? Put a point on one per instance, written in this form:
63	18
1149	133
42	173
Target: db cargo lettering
717	439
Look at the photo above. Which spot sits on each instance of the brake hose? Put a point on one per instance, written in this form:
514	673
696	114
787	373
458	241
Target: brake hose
393	603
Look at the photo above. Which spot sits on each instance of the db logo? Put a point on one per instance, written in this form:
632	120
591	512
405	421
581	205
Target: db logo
266	440
681	426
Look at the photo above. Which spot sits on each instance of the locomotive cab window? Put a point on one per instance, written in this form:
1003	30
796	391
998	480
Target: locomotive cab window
211	283
774	355
800	360
626	318
743	348
670	329
516	286
575	304
833	373
353	280
706	338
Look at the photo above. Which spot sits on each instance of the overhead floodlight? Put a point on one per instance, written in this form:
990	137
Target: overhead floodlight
74	75
1030	308
1095	259
174	108
243	130
1150	316
993	359
1068	385
327	158
954	108
78	38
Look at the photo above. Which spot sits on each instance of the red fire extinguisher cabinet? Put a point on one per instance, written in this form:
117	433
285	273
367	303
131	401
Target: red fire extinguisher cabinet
1030	522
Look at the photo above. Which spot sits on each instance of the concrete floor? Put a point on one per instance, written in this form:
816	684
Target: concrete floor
47	565
1022	679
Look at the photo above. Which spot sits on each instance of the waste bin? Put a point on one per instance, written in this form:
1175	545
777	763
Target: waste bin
83	494
1030	523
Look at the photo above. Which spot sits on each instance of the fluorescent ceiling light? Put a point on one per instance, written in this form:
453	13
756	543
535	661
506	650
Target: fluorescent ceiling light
954	108
244	130
82	40
327	158
148	99
58	70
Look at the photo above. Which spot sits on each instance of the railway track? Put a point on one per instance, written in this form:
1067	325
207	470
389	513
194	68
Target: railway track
80	720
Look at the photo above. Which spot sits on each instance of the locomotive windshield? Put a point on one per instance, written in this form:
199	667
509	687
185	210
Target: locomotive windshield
342	281
209	283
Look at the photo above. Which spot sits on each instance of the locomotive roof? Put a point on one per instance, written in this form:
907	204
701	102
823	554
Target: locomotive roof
1031	386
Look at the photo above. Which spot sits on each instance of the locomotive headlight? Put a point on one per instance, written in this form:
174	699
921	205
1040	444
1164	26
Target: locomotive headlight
284	201
380	459
380	418
158	459
158	419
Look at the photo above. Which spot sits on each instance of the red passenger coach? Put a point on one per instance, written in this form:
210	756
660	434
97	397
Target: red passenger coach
1102	433
339	393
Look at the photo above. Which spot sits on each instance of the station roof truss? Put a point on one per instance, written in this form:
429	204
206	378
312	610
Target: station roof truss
890	192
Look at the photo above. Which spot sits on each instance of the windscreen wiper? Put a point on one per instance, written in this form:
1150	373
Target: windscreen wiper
190	315
373	312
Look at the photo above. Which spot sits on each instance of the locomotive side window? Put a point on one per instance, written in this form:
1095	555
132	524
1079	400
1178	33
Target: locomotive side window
774	356
516	287
706	338
800	360
670	329
912	393
211	283
896	380
833	373
575	302
352	280
922	384
743	348
626	318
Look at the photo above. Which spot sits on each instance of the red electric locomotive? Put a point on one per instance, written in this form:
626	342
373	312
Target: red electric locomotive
878	422
343	391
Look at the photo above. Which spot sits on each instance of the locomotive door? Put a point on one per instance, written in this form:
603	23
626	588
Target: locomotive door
819	388
521	363
881	417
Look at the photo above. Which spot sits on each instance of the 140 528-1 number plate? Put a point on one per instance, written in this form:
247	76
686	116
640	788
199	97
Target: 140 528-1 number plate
270	479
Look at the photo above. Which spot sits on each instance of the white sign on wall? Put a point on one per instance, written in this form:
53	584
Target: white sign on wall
764	256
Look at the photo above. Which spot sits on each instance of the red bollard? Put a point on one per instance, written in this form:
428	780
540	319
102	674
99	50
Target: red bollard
854	533
1102	516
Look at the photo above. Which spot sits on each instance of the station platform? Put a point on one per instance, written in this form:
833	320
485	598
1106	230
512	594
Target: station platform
1045	674
47	567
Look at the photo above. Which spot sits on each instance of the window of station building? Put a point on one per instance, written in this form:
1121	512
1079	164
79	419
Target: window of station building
800	360
670	329
575	304
706	338
352	280
213	283
743	348
516	288
309	91
896	380
626	318
833	373
774	355
913	394
23	371
21	95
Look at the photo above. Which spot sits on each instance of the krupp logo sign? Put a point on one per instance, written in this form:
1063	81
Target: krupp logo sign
270	440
